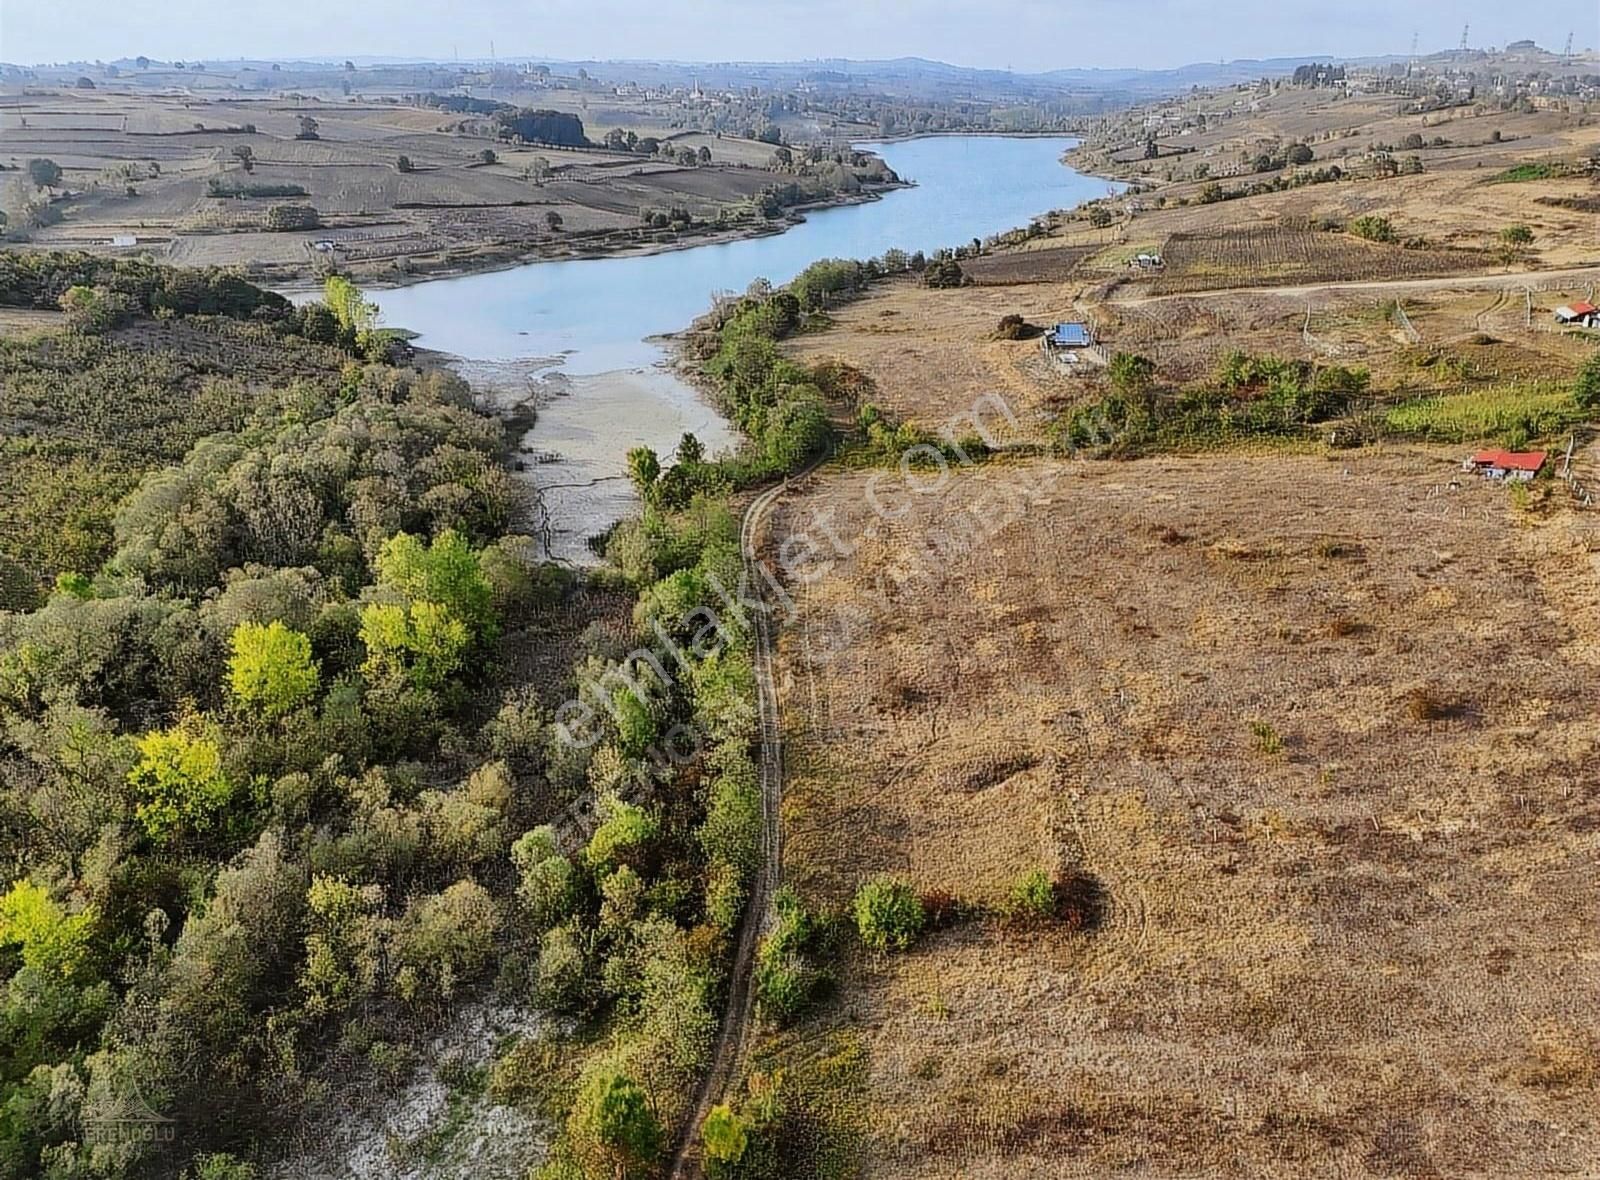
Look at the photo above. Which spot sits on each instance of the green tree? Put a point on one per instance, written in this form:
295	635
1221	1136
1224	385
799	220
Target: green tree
349	306
945	274
797	429
444	940
547	881
1373	228
94	309
888	913
221	1166
420	643
724	1137
644	468
271	669
784	979
1517	235
179	785
1132	375
624	835
52	941
1586	389
612	1127
343	946
284	218
44	173
445	571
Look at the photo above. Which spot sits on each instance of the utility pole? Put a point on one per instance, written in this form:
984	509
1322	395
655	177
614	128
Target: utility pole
1566	53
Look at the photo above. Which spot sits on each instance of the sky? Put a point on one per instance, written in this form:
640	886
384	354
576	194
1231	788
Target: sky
1025	35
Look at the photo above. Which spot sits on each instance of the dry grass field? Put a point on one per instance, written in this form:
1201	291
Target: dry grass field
1322	731
931	354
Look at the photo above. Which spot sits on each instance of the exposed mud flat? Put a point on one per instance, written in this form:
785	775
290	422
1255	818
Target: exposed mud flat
575	458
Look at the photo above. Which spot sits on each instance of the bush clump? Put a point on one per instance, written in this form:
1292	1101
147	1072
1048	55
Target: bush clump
1014	327
786	980
1033	898
888	913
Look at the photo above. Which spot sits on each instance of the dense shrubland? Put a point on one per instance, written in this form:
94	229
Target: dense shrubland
41	279
270	810
1247	396
1267	397
221	357
788	411
223	875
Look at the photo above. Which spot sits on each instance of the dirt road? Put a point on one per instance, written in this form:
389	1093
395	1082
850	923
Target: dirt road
729	1048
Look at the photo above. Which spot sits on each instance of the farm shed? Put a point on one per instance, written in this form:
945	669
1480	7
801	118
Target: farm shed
1071	335
1519	466
1586	314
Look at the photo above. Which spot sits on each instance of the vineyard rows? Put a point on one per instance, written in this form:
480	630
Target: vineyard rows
1271	255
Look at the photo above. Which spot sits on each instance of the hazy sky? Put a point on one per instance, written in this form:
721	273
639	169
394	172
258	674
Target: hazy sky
1023	34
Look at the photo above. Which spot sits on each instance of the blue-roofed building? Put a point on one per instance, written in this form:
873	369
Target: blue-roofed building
1074	335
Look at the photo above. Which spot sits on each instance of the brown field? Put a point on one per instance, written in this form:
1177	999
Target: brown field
1452	203
450	212
1054	264
1323	733
931	354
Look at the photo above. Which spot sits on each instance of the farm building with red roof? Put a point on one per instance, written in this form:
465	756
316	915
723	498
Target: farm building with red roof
1515	465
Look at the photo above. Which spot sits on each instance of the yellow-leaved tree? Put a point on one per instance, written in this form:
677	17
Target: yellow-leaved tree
271	669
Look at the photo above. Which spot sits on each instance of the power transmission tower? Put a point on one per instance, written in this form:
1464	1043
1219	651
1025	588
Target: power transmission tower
1567	52
1465	29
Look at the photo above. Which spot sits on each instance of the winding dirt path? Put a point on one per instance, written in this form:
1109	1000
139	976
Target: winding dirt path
729	1048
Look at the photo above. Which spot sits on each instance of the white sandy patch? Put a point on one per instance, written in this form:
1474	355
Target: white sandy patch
369	1140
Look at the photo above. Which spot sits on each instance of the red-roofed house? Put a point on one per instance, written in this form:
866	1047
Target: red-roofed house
1515	465
1581	312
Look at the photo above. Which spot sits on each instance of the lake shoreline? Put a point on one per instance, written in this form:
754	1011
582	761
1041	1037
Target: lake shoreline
383	279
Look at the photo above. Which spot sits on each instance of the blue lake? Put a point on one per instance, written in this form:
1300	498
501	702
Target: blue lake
575	336
598	312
